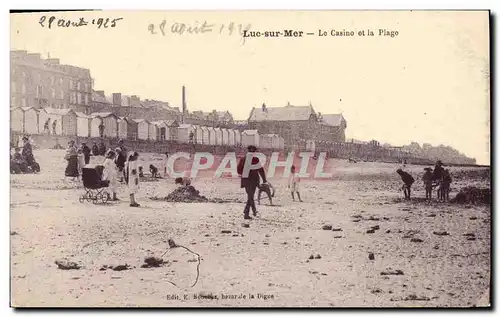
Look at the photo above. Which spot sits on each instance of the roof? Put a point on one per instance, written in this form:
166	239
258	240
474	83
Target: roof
59	112
140	120
170	123
185	125
287	113
251	132
82	115
102	114
334	120
270	135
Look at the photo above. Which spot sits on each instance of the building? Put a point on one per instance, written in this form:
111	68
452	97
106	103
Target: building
37	82
99	102
297	123
293	123
333	127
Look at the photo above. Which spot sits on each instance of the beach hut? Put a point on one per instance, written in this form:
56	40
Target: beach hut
142	128
110	122
122	127
17	119
275	142
153	132
281	143
250	137
218	136
212	136
197	136
237	137
60	121
172	129
225	136
205	135
31	116
82	124
161	129
266	141
183	132
230	137
310	145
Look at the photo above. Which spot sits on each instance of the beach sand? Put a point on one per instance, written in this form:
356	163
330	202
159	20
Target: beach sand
268	260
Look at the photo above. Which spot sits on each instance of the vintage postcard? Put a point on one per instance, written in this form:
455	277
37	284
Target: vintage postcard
250	159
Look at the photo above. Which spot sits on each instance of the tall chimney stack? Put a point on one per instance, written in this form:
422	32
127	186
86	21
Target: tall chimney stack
184	107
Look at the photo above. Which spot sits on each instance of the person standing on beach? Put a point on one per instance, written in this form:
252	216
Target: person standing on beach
95	149
102	148
86	153
81	160
251	181
293	183
428	182
408	180
132	177
72	158
110	173
165	165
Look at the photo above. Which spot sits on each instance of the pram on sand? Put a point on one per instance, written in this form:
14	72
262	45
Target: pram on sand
94	186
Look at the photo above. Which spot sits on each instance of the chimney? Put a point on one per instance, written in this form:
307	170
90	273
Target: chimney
288	104
117	99
184	106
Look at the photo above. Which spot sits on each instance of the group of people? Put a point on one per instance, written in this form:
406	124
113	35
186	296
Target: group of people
118	166
252	182
22	162
439	177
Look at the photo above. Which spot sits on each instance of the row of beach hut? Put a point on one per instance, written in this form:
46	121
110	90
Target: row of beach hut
70	123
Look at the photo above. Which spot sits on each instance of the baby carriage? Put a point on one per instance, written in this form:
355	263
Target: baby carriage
94	186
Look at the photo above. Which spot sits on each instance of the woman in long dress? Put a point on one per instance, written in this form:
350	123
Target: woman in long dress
72	158
110	173
132	177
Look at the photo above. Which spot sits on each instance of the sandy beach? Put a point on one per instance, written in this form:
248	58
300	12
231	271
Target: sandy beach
412	266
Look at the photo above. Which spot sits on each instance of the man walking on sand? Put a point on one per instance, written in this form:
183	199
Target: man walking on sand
251	181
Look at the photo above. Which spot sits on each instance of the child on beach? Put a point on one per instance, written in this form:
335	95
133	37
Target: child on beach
293	183
428	184
444	186
110	173
132	177
81	160
408	180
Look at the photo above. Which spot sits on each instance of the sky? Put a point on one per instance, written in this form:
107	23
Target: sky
428	84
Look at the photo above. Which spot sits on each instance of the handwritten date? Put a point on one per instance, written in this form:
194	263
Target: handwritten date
66	23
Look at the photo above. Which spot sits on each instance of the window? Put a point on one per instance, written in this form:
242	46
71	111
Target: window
53	93
52	81
71	84
86	99
13	85
23	74
61	94
60	81
78	86
23	88
86	87
78	98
